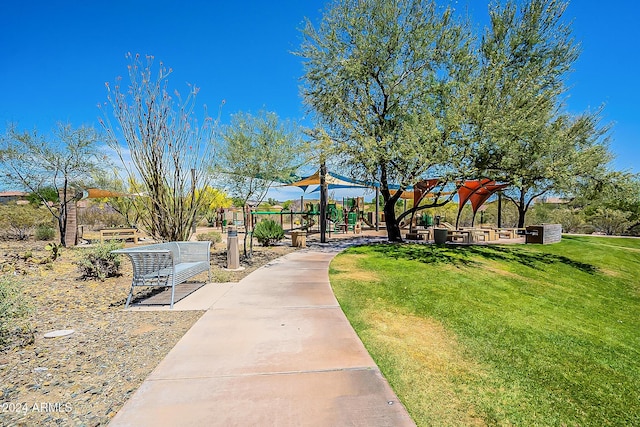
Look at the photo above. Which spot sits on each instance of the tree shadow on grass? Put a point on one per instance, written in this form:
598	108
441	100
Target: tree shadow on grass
465	255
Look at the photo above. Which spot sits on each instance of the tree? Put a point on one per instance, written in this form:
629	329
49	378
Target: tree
611	204
388	82
213	200
169	151
65	161
256	152
524	137
130	205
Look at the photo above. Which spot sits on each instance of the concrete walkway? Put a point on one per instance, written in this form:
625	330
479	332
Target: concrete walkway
274	349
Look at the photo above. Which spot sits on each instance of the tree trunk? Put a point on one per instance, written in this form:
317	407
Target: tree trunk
393	229
522	210
390	220
62	215
521	215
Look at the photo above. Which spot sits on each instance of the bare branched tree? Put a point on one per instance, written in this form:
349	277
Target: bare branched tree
167	150
65	162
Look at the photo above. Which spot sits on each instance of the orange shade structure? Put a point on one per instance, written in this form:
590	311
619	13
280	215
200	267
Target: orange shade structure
477	192
97	193
422	188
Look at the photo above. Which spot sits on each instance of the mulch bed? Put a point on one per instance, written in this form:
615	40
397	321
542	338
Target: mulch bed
85	378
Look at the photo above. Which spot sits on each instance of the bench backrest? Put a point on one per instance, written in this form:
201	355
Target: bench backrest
171	246
180	251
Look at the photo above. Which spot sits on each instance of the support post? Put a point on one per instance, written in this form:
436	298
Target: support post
323	202
499	209
377	208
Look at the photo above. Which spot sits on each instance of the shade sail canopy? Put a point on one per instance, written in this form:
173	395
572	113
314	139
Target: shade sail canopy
476	192
422	189
333	180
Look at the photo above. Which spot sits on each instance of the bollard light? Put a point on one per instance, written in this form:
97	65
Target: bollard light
233	253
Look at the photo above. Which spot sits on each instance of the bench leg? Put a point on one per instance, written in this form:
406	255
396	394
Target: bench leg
129	297
173	292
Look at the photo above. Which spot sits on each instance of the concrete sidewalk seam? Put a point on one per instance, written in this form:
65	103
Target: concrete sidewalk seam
268	374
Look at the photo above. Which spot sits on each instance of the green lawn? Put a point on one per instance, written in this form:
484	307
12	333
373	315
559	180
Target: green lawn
502	335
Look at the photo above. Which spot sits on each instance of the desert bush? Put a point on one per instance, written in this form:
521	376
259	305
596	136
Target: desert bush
55	249
101	216
45	232
268	232
98	262
19	221
572	220
14	310
610	221
212	236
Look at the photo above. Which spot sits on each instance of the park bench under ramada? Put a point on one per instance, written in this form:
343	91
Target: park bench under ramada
167	264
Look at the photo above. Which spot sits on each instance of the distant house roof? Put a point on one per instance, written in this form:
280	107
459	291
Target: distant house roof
13	194
555	200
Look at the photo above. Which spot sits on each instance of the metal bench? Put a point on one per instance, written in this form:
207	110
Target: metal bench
167	264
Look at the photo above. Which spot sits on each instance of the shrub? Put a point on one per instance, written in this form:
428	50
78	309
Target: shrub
19	221
213	236
99	263
55	249
268	232
14	310
45	232
97	217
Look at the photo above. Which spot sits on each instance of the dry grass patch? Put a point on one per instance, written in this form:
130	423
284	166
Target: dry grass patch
432	370
344	268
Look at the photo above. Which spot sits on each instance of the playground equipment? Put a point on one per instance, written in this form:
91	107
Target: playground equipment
303	220
349	216
308	217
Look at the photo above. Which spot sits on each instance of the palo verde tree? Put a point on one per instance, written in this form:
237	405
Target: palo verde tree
167	150
65	161
213	199
611	204
387	81
257	151
523	135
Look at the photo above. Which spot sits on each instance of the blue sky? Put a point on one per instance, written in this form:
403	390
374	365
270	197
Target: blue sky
57	55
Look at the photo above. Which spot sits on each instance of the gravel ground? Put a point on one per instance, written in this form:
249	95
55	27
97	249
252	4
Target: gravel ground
84	378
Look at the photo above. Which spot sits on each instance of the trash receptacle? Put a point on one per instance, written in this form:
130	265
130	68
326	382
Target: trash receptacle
299	239
440	235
